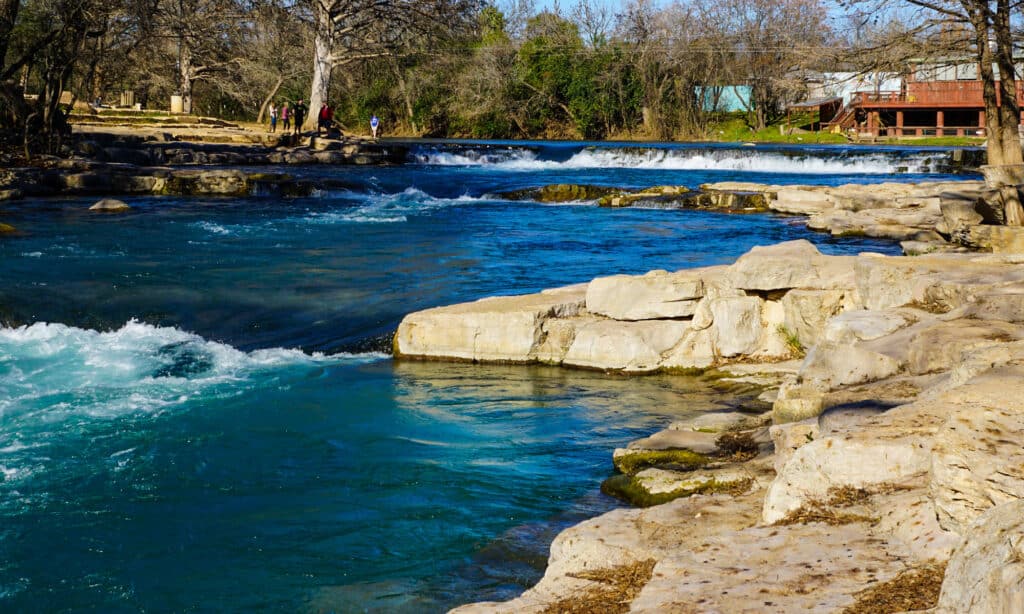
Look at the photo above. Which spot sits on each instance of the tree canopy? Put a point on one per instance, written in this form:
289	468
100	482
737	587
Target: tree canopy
466	68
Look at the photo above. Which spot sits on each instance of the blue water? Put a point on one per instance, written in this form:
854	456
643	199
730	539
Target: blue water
197	411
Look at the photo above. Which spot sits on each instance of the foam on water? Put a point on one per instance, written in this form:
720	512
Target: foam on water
733	161
56	372
508	158
653	158
379	208
215	228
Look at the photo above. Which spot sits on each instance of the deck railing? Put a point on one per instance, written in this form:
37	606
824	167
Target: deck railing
932	94
932	131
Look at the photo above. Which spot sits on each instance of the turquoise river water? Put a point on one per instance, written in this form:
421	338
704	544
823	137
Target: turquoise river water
198	413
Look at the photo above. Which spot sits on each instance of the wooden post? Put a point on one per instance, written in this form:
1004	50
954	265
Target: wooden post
873	123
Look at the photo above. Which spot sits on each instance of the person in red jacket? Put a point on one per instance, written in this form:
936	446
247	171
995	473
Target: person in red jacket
323	122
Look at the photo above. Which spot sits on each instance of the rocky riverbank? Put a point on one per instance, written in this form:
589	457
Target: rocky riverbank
183	169
954	216
127	154
889	466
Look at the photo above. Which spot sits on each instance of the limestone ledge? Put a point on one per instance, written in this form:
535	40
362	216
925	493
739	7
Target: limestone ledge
131	166
893	447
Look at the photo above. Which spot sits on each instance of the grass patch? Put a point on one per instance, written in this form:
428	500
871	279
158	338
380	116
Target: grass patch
685	460
734	128
618	587
914	589
793	343
943	141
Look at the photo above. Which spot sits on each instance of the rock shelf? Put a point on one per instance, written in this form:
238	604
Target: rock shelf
892	446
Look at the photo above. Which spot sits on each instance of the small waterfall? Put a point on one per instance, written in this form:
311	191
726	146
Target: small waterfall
761	159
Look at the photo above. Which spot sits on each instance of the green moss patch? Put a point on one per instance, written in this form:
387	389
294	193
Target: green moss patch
684	460
628	489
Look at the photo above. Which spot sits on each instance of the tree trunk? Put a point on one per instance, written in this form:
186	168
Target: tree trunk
1009	110
322	64
269	99
8	15
403	90
185	76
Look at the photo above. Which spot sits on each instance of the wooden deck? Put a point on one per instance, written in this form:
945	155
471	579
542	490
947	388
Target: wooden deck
930	95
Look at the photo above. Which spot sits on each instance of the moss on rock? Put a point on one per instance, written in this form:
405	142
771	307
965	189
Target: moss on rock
561	193
629	489
632	463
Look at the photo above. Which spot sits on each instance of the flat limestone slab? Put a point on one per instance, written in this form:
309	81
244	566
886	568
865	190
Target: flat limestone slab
654	295
499	329
799	568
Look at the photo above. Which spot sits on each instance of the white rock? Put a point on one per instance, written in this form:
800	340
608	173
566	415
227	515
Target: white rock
627	346
655	295
807	311
671	439
790	437
696	350
841	365
773	342
986	573
718	421
801	201
798	401
492	329
832	462
793	264
940	347
110	205
864	325
737	325
908	515
977	457
799	568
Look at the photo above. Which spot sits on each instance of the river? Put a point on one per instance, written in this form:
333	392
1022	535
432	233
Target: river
198	411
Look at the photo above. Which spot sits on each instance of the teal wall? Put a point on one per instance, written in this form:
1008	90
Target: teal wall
732	98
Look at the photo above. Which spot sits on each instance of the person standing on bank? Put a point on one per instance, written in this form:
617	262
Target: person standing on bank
300	114
322	121
286	118
273	117
374	125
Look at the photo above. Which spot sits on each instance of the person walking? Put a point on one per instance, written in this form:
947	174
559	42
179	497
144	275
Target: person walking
374	125
299	111
286	118
273	117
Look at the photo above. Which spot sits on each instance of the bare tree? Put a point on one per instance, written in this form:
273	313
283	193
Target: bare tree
595	21
769	39
949	29
346	31
202	32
